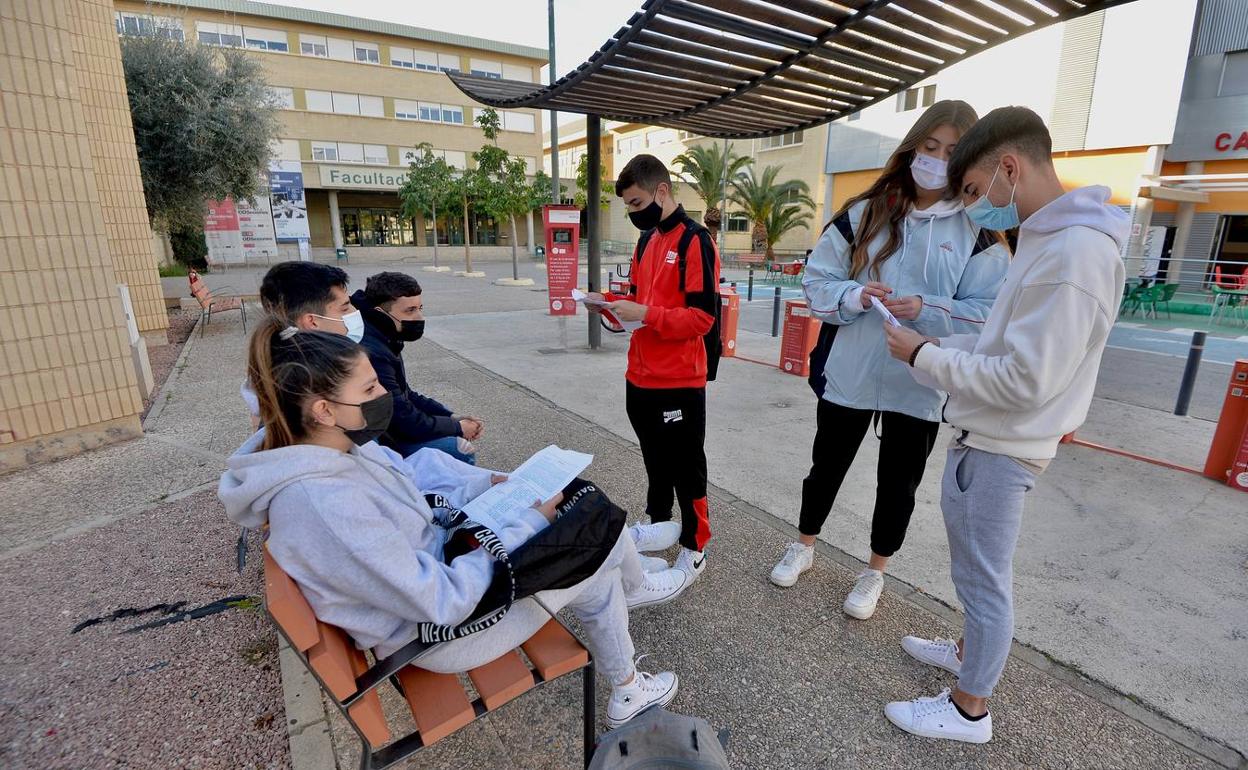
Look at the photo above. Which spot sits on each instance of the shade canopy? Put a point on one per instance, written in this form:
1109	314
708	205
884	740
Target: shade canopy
755	68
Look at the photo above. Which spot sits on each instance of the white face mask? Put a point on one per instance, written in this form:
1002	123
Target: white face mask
354	322
929	173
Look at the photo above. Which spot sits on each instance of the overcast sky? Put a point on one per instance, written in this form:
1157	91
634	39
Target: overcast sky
581	26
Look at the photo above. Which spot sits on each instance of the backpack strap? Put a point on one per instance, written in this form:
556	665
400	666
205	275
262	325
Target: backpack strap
642	243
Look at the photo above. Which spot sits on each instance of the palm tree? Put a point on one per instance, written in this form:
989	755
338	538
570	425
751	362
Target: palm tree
759	198
704	169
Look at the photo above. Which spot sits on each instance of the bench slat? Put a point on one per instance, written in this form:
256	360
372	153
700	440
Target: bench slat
554	651
501	680
366	712
287	606
437	701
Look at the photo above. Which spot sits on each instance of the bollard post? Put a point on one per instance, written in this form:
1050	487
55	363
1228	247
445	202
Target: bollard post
1189	373
749	289
775	314
733	285
610	279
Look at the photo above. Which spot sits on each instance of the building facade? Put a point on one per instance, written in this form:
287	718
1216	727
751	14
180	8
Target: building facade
358	96
73	227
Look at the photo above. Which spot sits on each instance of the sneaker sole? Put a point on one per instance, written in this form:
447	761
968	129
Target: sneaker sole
667	698
853	612
785	583
932	663
939	735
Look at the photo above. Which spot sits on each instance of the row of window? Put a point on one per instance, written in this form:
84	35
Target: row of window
404	109
377	154
388	227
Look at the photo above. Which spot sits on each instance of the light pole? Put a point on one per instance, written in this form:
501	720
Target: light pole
554	116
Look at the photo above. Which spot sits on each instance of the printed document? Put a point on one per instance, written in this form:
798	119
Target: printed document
879	308
583	298
538	479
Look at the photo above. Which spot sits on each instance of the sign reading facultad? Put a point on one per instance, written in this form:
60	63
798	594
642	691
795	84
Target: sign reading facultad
362	178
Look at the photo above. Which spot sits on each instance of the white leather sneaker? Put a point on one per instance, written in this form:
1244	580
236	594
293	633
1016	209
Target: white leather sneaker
942	653
655	537
691	562
865	595
938	718
797	559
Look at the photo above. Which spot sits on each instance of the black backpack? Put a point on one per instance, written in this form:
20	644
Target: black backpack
714	344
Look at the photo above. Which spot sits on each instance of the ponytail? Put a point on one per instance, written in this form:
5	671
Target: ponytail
286	367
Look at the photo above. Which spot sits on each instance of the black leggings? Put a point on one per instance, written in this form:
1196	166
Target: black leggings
905	443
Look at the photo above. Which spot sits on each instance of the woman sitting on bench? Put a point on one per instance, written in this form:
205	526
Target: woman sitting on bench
349	522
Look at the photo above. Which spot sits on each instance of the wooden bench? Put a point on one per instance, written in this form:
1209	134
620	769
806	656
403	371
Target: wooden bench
438	702
210	303
749	260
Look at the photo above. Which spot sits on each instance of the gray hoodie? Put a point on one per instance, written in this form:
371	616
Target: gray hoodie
354	531
1028	379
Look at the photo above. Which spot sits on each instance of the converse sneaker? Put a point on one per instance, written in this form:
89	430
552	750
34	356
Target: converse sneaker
866	593
646	690
653	563
938	718
658	588
942	653
690	562
797	559
658	536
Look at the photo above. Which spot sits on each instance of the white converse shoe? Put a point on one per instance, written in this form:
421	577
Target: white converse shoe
658	588
690	562
866	594
653	564
646	690
797	559
938	718
942	653
655	537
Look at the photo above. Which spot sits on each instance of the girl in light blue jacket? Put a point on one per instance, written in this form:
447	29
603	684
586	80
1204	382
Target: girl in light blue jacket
906	243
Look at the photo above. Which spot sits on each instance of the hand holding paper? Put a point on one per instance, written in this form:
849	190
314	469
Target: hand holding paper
879	308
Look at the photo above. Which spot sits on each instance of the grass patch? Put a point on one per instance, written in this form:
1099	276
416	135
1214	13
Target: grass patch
172	271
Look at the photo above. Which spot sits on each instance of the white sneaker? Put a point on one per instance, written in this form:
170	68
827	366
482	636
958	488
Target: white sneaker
797	559
658	588
646	690
866	594
942	653
690	562
655	537
653	564
938	718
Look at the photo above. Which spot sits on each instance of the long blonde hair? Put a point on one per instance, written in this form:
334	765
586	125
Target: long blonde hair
894	192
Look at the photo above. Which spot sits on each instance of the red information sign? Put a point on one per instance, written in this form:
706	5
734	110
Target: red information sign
563	247
801	330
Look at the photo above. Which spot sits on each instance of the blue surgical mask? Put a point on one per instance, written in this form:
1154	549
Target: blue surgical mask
353	321
991	217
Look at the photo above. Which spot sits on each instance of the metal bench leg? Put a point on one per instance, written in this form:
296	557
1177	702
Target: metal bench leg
587	680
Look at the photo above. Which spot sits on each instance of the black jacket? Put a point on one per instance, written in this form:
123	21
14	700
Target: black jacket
417	418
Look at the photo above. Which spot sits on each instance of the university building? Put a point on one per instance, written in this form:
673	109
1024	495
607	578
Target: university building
357	97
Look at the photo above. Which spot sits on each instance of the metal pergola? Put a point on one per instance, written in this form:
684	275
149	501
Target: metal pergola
739	69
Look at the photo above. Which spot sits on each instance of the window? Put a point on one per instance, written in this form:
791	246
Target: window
738	223
914	98
266	39
660	137
454	158
342	50
530	164
369	53
377	154
784	140
518	121
286	149
406	110
212	33
425	60
136	24
313	45
402	57
319	101
452	114
1234	74
486	68
376	227
326	151
350	152
448	62
346	104
409	155
628	145
372	106
512	72
283	97
685	136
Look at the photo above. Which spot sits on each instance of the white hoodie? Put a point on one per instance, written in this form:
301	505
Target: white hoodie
354	531
1028	378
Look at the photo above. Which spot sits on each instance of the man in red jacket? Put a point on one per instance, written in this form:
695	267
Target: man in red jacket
676	295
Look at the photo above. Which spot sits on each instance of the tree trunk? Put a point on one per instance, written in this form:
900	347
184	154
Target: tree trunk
515	259
713	219
435	233
758	239
467	253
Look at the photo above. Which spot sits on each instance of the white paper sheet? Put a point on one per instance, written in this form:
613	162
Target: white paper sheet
584	299
879	308
538	479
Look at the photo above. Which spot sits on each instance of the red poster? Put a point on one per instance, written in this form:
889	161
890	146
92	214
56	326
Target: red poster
222	216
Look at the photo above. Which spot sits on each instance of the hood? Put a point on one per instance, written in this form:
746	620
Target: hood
938	210
254	476
1087	207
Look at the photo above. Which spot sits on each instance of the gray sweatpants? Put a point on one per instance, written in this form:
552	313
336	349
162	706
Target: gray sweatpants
598	602
982	499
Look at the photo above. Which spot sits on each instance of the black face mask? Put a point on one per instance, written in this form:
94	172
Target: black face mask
648	218
410	331
377	413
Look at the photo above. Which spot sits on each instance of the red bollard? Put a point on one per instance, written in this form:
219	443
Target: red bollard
1228	454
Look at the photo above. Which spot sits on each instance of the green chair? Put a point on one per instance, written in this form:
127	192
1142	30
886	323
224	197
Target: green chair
1161	295
1132	298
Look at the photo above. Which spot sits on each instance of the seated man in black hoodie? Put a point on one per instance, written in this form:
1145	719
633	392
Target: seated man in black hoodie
393	314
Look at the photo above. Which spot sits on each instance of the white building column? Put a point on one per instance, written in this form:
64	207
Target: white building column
335	221
528	224
1142	213
1183	230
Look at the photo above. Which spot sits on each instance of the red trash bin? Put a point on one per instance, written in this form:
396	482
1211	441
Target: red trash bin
729	315
801	331
1228	454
